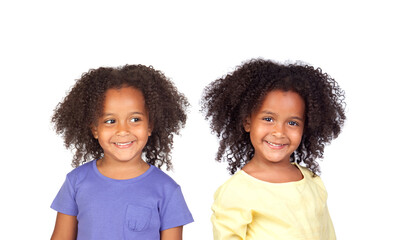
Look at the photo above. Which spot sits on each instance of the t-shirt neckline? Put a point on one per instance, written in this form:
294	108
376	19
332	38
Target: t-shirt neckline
284	183
130	180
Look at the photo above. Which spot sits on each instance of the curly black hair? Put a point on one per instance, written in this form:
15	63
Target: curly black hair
83	105
229	100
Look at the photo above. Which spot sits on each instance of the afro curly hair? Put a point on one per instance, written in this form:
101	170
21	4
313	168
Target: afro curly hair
83	105
228	101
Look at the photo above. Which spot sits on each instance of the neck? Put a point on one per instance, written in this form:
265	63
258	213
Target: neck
121	170
274	172
276	166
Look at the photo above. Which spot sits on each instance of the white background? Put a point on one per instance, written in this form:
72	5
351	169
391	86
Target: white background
46	45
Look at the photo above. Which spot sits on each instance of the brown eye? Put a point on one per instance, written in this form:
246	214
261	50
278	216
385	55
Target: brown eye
135	119
268	119
110	121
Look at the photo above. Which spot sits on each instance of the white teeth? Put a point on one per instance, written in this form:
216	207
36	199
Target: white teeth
123	144
275	145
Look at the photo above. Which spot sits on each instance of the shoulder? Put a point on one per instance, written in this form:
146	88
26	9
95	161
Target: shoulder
311	178
159	178
234	187
236	179
305	171
80	173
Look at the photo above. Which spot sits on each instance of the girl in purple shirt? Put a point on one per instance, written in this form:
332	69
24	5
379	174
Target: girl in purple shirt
124	118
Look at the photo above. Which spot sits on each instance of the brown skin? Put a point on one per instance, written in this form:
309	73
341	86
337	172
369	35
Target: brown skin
228	101
65	227
80	110
124	120
276	129
172	233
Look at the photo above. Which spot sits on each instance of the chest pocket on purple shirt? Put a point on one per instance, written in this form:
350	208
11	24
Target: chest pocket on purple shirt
137	218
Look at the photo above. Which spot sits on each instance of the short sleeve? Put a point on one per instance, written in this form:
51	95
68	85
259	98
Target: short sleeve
64	201
230	217
329	228
175	212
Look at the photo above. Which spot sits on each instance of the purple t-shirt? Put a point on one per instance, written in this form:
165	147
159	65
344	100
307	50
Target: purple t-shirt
137	208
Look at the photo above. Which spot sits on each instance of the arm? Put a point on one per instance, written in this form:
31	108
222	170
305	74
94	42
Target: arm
65	227
231	215
229	224
174	214
175	233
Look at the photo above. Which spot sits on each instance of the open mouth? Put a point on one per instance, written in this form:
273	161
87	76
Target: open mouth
274	144
119	144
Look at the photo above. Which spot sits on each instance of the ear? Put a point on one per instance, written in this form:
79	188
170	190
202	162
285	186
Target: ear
94	130
246	124
150	129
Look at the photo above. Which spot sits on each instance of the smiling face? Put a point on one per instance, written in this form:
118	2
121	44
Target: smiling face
276	127
123	129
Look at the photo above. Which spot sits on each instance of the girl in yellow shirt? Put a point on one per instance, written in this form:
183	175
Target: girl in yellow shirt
273	121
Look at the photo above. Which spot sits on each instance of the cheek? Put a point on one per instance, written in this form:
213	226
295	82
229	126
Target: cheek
104	135
143	131
258	132
296	136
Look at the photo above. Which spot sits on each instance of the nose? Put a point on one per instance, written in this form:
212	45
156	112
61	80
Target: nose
278	130
122	129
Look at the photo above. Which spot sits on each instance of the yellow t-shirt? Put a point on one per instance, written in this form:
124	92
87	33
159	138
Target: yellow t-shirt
247	208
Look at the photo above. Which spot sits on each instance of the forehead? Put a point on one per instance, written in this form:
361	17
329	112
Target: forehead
118	99
284	102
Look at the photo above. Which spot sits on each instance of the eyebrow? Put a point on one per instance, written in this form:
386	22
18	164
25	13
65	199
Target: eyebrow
298	118
131	113
271	113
